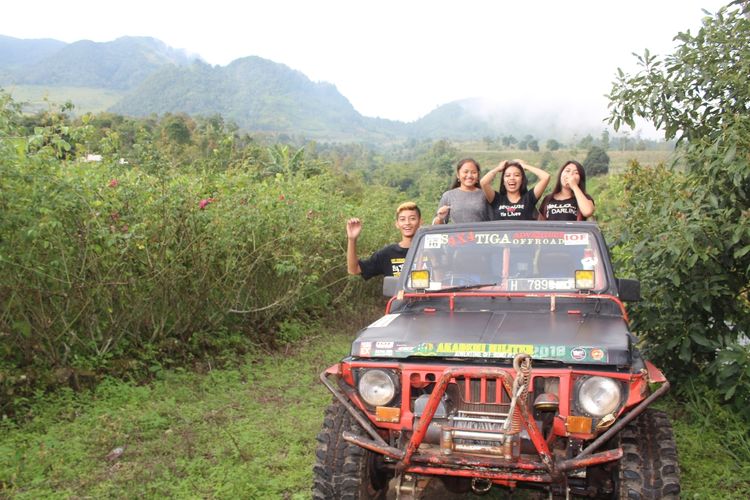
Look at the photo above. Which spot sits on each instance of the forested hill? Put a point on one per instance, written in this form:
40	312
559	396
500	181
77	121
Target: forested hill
121	64
16	53
141	76
257	94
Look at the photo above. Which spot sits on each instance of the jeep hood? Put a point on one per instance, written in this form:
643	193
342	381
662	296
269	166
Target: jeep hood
558	336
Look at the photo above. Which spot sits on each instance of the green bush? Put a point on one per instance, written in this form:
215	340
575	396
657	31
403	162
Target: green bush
597	161
111	267
687	232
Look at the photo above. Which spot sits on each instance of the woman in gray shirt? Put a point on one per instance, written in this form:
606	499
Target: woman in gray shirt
465	202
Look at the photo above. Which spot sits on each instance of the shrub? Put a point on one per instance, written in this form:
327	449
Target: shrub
596	162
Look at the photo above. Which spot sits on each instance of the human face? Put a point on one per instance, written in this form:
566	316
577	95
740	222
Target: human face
512	179
407	222
570	175
468	175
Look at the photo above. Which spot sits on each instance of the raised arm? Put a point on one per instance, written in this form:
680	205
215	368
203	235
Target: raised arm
488	178
543	177
585	205
353	229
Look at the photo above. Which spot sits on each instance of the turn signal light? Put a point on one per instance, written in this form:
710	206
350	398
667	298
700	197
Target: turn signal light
578	425
387	414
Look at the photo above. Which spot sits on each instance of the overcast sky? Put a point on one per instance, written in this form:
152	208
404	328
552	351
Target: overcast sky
398	59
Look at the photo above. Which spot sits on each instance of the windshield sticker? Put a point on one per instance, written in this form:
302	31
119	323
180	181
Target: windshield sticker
525	238
545	235
384	321
576	238
457	239
504	351
435	240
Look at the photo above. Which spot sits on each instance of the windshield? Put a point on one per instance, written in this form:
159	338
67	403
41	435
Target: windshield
513	260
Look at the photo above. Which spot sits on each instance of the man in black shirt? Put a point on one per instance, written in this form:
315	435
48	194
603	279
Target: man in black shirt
388	260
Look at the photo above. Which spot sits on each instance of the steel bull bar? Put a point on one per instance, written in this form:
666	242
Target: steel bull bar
435	462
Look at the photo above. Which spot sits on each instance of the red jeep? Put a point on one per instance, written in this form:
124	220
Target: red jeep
504	358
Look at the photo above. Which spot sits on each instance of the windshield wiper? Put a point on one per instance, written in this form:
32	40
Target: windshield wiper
463	287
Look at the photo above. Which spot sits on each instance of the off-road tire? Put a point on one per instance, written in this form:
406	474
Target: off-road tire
343	470
648	468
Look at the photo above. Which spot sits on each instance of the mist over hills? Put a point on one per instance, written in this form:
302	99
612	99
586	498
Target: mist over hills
258	94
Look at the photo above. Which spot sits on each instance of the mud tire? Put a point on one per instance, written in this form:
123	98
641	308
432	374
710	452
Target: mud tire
649	467
344	470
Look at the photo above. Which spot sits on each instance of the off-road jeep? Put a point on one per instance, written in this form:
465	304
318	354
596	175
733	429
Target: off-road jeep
504	358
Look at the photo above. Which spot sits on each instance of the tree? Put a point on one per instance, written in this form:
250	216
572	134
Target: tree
552	145
534	145
586	142
604	140
687	235
596	162
442	158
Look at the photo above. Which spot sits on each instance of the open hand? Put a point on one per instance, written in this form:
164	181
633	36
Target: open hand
353	228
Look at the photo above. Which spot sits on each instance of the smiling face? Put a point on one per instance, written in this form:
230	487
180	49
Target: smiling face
468	176
512	179
407	222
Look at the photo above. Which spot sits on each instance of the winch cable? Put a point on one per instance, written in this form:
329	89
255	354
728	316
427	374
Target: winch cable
522	365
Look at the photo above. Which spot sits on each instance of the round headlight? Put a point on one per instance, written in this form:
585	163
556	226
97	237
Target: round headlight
599	396
377	387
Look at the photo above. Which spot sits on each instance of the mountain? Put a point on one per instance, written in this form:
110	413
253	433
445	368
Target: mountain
118	65
475	118
18	53
255	93
140	76
454	120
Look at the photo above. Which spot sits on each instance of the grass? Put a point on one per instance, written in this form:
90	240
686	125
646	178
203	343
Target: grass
85	99
713	446
249	432
246	432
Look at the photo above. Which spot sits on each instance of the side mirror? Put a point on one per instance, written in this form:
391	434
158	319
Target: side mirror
390	286
629	290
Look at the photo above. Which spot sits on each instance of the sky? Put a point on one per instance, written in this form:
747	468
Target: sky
399	59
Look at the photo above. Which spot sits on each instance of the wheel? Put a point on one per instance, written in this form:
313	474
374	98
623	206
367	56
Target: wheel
648	468
344	470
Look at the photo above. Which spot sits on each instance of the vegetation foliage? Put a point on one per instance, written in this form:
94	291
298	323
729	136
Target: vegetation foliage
125	265
686	234
190	239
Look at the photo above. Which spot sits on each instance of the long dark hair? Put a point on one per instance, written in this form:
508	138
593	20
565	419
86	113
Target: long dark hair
456	181
558	187
581	174
524	180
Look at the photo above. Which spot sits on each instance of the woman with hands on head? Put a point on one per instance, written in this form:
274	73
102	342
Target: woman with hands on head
464	202
514	200
569	200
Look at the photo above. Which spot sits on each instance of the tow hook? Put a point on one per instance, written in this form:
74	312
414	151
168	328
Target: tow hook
480	486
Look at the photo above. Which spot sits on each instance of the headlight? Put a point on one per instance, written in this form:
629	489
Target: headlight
599	396
377	387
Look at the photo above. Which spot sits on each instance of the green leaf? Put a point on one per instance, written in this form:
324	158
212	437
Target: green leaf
700	339
686	353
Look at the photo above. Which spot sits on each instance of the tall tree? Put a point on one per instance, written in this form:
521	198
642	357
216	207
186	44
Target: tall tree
687	234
